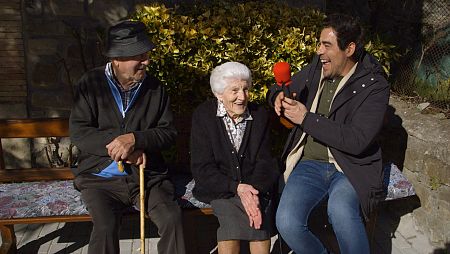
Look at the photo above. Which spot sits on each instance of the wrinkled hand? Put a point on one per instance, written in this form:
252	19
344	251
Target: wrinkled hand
293	110
250	201
137	158
121	147
256	221
278	103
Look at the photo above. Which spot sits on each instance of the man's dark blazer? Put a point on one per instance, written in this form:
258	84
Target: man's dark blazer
350	130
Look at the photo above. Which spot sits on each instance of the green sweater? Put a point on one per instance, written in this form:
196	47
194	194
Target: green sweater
314	149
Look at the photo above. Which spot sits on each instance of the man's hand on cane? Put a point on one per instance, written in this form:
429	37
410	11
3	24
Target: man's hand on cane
121	147
136	158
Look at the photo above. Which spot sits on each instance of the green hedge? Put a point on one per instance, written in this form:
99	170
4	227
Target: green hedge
257	34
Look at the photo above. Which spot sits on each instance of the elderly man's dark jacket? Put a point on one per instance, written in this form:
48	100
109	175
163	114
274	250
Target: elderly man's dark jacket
217	167
95	121
350	130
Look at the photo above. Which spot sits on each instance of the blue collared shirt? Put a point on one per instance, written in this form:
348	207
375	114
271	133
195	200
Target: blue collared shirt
124	100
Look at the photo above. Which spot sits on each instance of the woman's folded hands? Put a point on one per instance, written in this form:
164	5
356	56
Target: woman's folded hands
250	201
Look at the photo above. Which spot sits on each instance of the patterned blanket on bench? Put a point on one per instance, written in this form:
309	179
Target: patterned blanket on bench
56	198
37	199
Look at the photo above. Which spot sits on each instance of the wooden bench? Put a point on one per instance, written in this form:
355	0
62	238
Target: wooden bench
36	128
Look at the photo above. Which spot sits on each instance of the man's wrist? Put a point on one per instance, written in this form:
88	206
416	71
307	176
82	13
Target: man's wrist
303	117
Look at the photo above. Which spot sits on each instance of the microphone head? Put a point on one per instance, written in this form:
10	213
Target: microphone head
282	73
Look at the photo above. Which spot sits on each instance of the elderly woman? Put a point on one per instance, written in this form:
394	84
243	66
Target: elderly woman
231	161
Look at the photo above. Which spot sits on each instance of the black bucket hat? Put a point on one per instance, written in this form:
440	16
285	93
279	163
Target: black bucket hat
127	38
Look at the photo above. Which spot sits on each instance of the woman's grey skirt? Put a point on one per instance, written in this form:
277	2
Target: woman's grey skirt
234	223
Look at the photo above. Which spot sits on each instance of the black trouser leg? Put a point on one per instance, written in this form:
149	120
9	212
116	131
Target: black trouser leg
167	217
106	217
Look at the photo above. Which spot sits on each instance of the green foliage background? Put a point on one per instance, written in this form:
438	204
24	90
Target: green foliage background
192	40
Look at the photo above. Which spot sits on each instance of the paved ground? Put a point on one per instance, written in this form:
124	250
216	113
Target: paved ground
395	233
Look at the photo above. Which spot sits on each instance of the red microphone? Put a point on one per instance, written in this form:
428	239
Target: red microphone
282	73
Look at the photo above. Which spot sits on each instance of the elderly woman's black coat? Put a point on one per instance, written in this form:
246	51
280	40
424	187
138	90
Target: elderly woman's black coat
217	168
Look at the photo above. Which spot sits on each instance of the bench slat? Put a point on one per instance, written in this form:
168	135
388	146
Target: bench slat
35	174
49	219
198	211
33	128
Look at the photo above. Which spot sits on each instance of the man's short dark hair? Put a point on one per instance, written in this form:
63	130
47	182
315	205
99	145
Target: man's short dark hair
348	29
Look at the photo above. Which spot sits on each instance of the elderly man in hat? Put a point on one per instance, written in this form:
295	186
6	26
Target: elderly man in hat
120	113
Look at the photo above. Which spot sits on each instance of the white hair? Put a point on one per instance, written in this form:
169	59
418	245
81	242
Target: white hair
222	74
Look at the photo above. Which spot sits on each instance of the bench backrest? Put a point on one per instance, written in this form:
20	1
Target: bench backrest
33	128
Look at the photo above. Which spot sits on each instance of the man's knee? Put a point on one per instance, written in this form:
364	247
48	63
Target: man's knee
281	219
166	215
287	221
342	212
106	221
106	228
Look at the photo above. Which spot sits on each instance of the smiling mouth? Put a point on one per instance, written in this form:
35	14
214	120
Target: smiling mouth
239	106
325	62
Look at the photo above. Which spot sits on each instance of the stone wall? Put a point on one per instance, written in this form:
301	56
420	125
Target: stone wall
13	82
62	41
13	90
422	142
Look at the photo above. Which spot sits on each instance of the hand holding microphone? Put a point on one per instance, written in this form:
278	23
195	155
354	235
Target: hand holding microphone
282	73
290	111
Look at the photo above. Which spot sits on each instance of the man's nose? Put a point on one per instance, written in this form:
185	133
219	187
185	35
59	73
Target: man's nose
146	61
319	50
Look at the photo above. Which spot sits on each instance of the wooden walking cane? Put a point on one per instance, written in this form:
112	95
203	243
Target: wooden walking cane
142	202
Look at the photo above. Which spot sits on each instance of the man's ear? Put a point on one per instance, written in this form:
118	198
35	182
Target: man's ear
350	50
114	62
